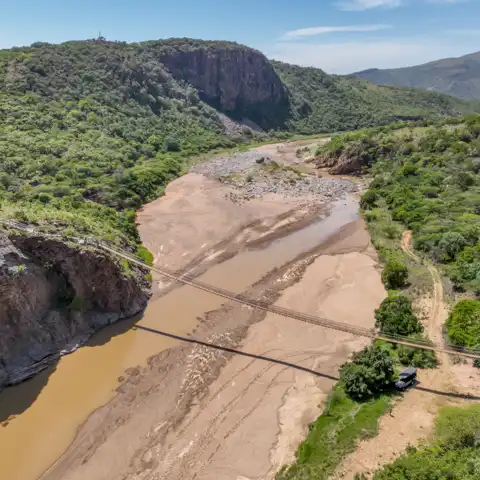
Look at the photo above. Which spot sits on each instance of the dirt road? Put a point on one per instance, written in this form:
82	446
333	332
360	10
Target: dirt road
412	416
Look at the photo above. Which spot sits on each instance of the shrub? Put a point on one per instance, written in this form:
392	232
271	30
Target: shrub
395	273
416	357
145	254
395	317
451	244
458	427
370	372
44	197
463	323
368	200
171	145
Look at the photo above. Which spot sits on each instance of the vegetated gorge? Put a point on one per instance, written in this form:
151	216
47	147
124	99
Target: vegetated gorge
94	137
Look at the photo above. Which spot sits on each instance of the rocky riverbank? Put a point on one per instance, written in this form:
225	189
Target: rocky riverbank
53	296
254	175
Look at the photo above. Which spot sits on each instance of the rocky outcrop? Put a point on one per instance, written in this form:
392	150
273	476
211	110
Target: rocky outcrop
53	296
343	164
238	81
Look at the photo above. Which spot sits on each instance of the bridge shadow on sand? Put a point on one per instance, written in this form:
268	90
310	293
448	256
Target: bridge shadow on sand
238	352
289	364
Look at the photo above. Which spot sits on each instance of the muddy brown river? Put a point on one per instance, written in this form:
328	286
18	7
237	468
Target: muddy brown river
42	415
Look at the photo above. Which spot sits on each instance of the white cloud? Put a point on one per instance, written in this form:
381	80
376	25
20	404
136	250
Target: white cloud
313	31
348	57
358	5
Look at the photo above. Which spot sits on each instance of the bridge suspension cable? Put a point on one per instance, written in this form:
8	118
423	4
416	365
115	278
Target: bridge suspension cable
190	280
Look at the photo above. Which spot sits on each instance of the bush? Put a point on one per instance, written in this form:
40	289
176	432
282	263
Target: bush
458	427
463	323
451	244
395	273
171	145
416	357
368	200
395	317
370	372
145	254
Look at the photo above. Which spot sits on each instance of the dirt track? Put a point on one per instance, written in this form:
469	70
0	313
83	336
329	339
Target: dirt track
412	416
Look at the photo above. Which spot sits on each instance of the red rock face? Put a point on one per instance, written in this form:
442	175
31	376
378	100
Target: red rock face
236	80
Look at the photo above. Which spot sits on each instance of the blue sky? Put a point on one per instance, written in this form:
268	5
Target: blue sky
340	36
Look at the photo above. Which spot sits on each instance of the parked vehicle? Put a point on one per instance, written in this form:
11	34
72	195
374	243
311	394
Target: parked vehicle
406	379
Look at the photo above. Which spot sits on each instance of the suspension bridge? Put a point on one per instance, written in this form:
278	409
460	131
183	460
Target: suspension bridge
191	281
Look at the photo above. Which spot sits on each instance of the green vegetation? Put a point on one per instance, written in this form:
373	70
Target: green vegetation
329	103
395	317
426	179
370	372
395	272
416	357
463	324
91	130
453	453
334	435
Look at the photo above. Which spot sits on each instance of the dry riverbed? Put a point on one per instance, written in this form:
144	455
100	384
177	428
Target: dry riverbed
214	389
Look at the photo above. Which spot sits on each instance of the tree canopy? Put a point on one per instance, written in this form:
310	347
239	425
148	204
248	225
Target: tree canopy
370	372
395	317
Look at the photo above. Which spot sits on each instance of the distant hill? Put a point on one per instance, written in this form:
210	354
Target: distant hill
322	102
454	76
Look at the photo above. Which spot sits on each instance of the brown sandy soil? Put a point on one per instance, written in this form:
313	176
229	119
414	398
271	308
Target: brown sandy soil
198	412
412	416
195	220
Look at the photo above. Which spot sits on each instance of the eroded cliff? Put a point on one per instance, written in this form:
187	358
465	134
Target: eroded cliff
234	79
53	296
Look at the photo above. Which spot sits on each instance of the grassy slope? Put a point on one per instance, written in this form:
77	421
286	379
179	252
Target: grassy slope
453	453
89	129
428	180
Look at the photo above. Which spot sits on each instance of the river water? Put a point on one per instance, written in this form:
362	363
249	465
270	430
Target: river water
43	414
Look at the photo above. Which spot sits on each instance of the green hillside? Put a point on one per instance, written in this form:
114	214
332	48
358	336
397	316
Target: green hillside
322	102
91	130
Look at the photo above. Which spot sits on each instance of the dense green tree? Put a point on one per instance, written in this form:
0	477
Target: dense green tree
395	273
463	324
395	317
370	372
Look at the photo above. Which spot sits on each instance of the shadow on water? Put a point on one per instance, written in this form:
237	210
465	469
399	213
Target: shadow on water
16	399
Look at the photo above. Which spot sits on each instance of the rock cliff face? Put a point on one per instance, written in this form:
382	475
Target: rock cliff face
238	81
53	296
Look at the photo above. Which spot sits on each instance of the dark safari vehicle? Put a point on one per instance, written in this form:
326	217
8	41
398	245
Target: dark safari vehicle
406	379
